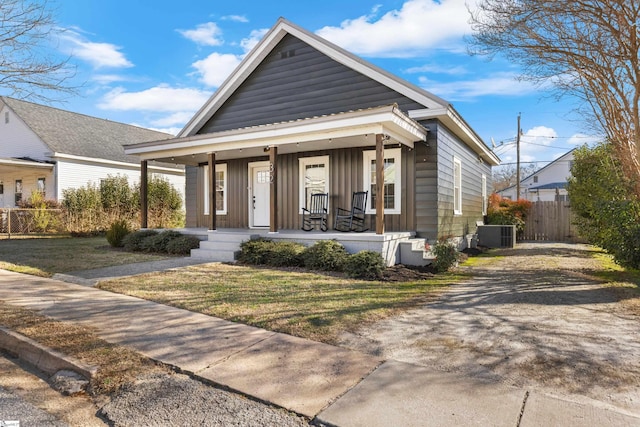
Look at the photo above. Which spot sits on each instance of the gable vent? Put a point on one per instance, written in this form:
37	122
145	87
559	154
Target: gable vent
287	53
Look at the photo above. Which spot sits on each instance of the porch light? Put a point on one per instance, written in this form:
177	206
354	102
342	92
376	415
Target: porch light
267	149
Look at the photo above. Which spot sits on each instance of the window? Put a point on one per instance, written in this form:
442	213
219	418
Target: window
457	187
6	117
392	180
314	177
484	194
221	189
18	191
41	185
535	179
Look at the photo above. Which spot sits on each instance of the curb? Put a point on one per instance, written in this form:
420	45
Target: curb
42	357
75	280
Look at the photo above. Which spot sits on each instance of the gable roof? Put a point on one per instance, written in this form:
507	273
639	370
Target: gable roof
434	107
68	133
542	169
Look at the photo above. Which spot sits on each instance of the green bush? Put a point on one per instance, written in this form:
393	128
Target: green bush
158	242
365	265
164	203
328	255
285	254
447	256
255	252
117	233
133	242
183	245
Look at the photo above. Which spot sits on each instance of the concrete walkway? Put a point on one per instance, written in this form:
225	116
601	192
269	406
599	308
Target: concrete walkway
334	385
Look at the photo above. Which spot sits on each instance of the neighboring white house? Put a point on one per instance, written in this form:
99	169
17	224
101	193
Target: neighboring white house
51	150
546	184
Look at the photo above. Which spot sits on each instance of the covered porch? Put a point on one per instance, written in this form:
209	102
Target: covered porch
271	156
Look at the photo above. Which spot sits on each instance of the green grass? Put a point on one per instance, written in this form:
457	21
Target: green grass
47	256
300	303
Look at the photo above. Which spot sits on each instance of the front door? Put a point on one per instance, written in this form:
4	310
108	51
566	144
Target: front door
259	194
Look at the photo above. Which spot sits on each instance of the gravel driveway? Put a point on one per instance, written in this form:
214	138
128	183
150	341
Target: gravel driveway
533	318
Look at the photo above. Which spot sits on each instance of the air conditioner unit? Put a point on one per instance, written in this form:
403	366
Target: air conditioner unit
497	236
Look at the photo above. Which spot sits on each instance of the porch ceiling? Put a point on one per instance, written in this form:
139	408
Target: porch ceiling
340	130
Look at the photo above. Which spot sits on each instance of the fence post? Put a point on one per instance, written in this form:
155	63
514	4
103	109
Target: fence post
9	226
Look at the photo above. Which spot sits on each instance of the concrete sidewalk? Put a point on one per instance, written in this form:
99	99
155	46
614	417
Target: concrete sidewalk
334	385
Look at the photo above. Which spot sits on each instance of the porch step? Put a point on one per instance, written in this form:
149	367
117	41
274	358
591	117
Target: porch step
221	246
412	252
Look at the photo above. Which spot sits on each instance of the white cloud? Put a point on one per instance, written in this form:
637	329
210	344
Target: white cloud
438	69
256	35
418	26
161	98
106	79
215	68
235	18
499	84
99	55
178	118
581	138
207	34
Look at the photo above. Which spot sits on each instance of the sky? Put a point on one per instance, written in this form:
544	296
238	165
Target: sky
155	63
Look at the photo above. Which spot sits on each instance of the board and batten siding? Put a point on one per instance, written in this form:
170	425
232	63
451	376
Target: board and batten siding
449	224
306	83
346	175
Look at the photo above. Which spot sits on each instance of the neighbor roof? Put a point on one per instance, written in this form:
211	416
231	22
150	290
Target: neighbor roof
65	132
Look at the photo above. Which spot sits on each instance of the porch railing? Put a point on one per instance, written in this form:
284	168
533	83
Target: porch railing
30	221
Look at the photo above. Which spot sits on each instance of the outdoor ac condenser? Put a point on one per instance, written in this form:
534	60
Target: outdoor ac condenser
497	236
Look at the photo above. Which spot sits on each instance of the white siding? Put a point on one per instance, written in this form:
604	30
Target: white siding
72	174
17	140
557	171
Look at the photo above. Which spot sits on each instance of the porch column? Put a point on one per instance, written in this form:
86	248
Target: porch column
211	178
273	189
379	183
144	191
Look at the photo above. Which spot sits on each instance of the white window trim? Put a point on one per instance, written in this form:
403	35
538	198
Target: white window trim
367	157
484	194
222	167
302	163
457	179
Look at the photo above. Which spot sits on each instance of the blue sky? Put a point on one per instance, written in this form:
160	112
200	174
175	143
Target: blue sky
154	63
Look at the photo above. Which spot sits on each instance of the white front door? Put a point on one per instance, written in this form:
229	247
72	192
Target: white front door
259	194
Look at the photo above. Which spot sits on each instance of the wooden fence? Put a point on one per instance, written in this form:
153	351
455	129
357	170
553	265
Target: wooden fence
550	221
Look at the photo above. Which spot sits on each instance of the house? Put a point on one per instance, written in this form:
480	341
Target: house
546	184
51	150
301	115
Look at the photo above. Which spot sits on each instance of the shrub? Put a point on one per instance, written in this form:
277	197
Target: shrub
327	255
117	232
507	212
285	254
164	203
133	242
255	251
365	265
447	256
182	245
159	241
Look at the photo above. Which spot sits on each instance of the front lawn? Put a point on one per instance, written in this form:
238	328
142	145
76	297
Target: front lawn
47	256
297	302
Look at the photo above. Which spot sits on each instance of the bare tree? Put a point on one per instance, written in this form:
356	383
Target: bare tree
29	66
585	48
505	176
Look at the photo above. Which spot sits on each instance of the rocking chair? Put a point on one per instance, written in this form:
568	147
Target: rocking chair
316	213
353	219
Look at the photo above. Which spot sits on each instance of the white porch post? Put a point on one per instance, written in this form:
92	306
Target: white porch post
379	183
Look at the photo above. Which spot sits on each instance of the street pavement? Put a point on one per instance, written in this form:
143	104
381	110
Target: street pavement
329	384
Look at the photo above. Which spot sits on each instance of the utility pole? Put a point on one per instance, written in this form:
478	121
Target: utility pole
518	161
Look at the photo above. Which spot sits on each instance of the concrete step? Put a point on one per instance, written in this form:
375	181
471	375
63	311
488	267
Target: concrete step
412	252
219	245
213	255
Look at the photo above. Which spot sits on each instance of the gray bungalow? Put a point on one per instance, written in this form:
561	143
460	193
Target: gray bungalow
299	116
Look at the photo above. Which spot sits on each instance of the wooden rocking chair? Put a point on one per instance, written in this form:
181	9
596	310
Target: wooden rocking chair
316	213
352	219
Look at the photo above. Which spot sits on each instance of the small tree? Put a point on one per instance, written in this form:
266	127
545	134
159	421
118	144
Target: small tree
508	212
